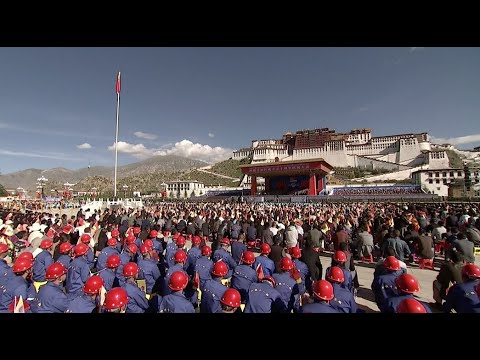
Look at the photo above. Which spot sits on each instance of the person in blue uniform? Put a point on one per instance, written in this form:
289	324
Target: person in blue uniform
116	301
462	297
149	269
244	275
180	258
18	285
204	266
137	300
343	300
238	248
225	256
407	285
65	254
85	239
109	274
383	286
51	297
213	290
108	251
322	295
5	270
193	255
127	255
78	272
291	289
42	261
339	259
176	302
230	302
88	302
268	266
411	306
177	243
264	298
296	254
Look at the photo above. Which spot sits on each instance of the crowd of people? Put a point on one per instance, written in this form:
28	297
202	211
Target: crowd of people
377	190
200	257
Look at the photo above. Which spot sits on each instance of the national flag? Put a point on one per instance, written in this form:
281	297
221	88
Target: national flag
118	83
260	273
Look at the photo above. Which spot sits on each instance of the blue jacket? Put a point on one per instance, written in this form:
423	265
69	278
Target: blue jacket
462	298
15	286
203	267
42	261
289	290
52	299
175	302
65	260
305	273
82	304
348	282
77	274
243	277
124	259
90	258
137	301
268	265
193	255
238	248
110	279
104	255
263	298
170	253
383	287
222	254
318	307
149	271
211	295
5	274
343	301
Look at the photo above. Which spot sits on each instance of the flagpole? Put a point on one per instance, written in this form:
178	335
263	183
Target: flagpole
116	138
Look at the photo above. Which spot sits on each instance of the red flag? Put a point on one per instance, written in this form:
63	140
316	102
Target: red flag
260	273
118	83
196	281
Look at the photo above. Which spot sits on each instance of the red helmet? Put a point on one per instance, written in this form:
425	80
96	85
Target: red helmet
206	250
180	257
93	285
323	290
80	249
196	240
286	264
178	281
130	239
132	248
175	236
112	242
85	238
113	261
115	298
130	269
65	247
16	299
25	255
336	275
271	279
115	233
231	297
153	234
407	284
220	268
340	256
181	242
265	249
137	230
21	265
225	241
410	306
55	270
144	248
3	248
471	271
248	257
45	244
296	252
149	243
391	263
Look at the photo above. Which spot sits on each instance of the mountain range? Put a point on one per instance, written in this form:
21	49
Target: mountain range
27	179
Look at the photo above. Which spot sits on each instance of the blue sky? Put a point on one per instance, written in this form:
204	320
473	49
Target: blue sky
205	102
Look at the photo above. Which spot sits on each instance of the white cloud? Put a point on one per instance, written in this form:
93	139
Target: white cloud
184	148
84	146
468	139
39	155
212	135
413	49
143	135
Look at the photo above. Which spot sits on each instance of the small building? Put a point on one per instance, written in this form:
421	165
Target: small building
184	189
437	181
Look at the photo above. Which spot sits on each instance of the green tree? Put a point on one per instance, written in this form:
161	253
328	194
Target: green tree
3	192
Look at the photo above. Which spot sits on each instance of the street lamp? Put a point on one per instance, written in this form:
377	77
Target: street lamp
41	182
125	188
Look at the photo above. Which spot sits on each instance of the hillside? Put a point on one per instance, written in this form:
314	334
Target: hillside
58	176
229	167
